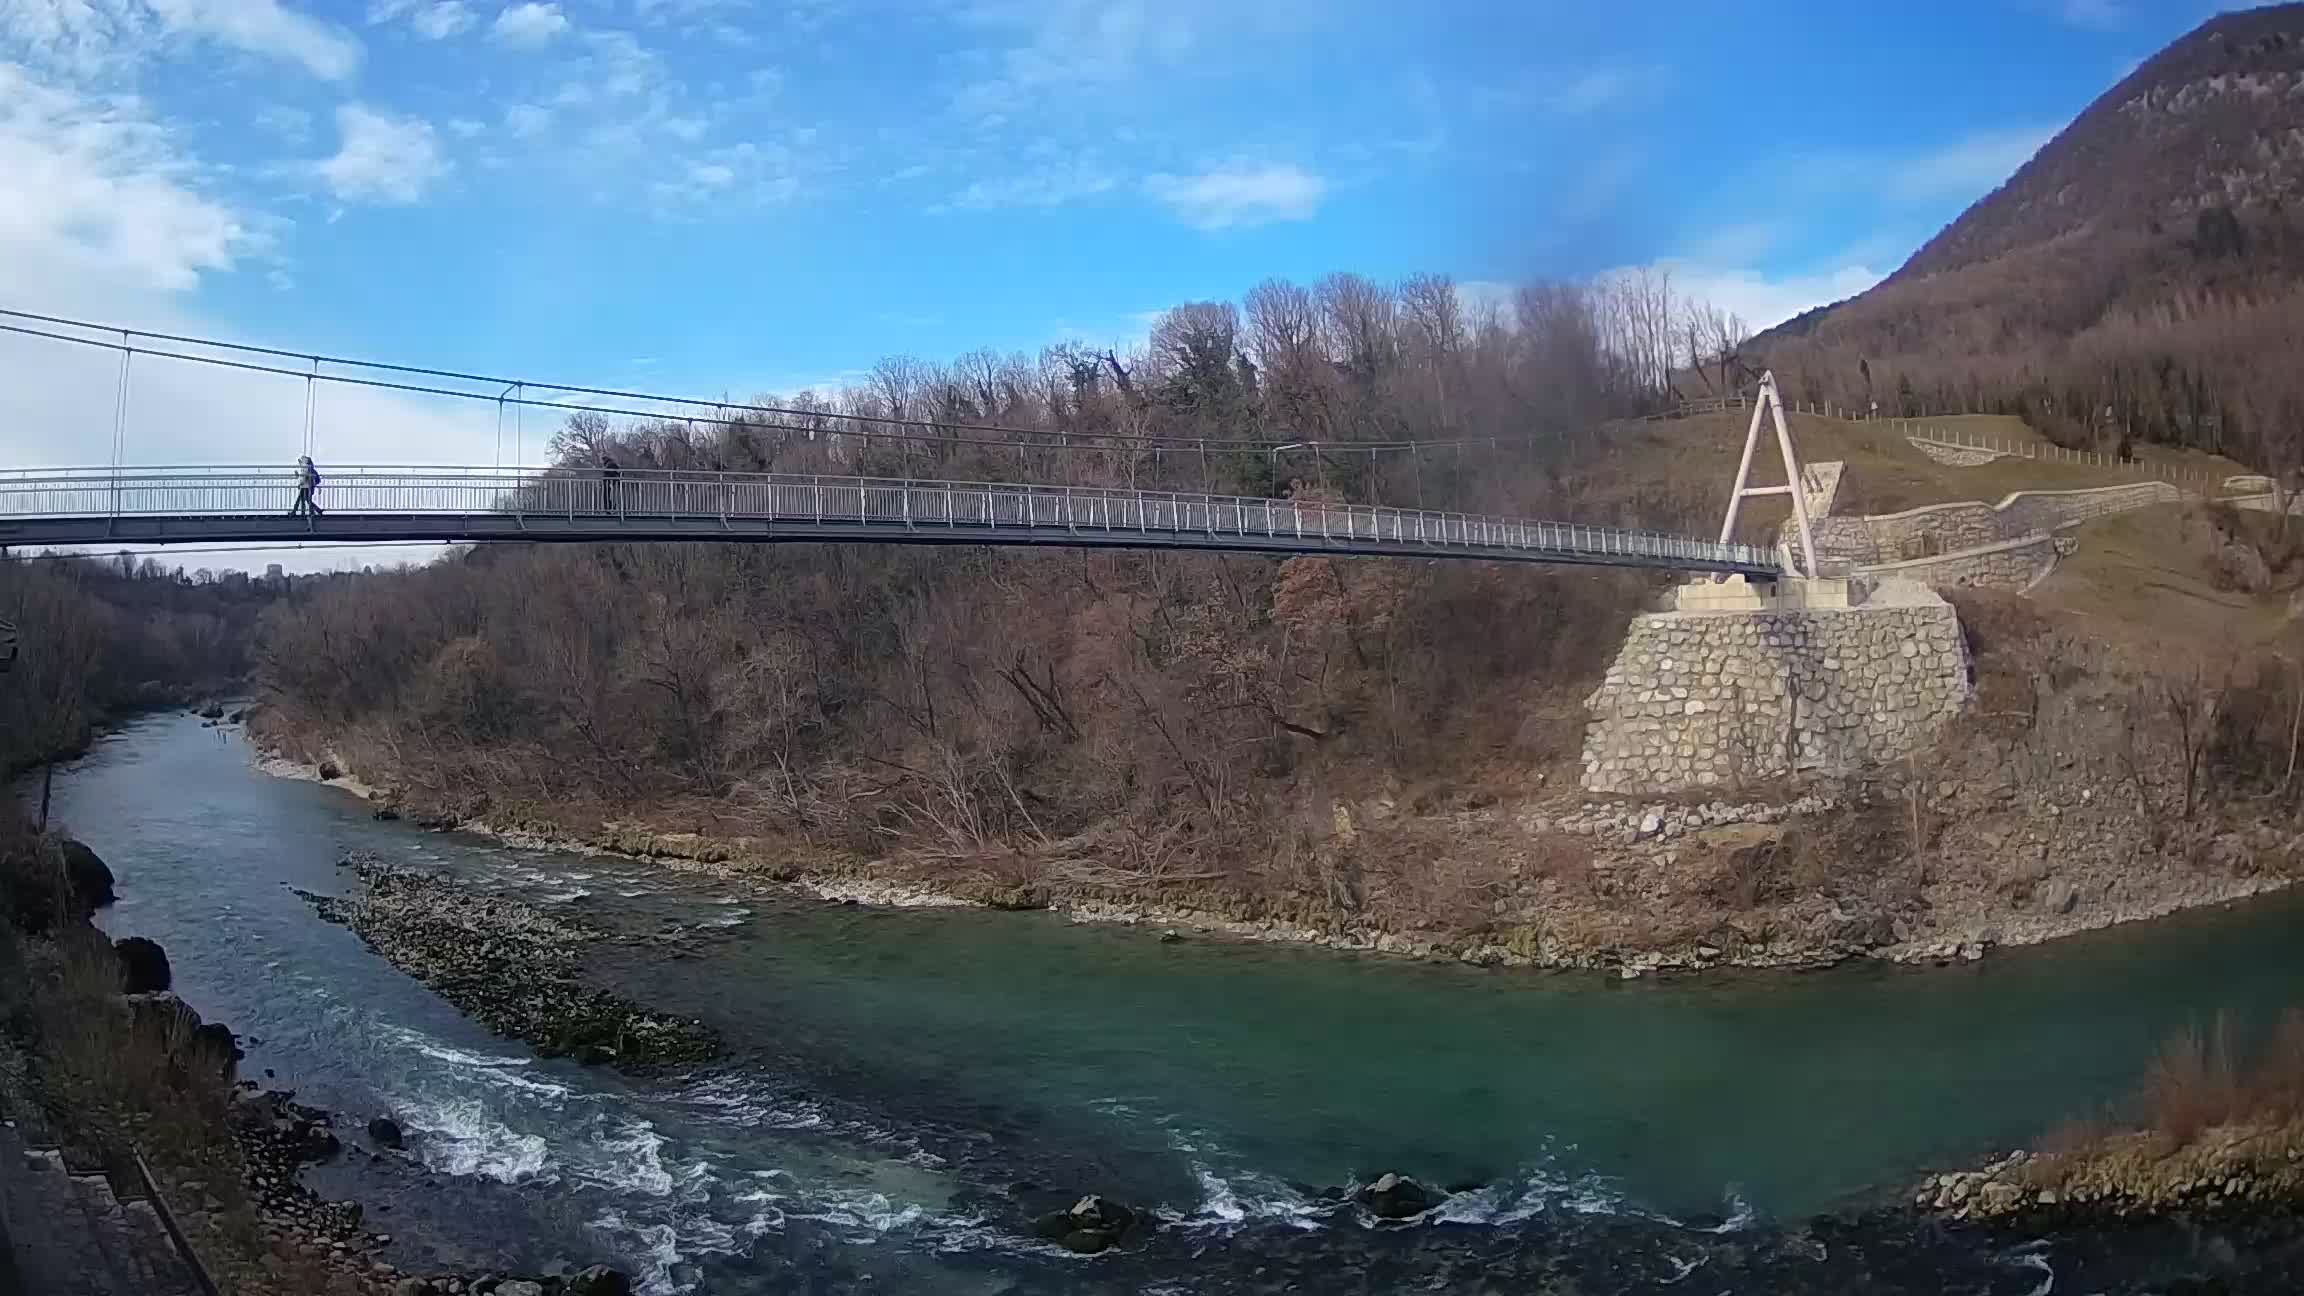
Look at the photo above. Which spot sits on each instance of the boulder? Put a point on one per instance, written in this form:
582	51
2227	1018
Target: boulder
90	880
413	1287
599	1280
214	1049
308	1140
1090	1225
212	711
387	813
160	1016
330	771
2240	567
518	1287
1101	1215
143	965
385	1132
2056	896
1395	1197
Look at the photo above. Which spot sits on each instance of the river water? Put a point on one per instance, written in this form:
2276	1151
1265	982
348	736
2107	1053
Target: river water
908	1085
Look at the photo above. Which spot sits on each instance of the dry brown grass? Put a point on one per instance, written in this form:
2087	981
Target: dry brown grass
2201	1080
2146	578
110	1079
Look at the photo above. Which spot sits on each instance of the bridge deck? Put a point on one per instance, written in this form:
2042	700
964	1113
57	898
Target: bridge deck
177	505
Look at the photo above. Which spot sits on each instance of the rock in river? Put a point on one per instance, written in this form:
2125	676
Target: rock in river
599	1280
143	965
385	1132
91	880
1396	1197
1092	1224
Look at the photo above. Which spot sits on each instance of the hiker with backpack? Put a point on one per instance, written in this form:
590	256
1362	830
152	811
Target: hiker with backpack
307	481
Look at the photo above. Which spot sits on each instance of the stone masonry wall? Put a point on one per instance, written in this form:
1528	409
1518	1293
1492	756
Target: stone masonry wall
1954	456
1946	528
1709	699
2009	565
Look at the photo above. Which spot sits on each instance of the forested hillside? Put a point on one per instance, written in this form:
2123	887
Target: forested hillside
1160	714
2141	278
103	637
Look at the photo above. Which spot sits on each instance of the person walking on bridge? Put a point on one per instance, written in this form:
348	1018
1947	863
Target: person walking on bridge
307	481
608	476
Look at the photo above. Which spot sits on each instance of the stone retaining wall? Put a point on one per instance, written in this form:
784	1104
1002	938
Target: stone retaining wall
1706	700
2010	565
1821	487
1948	528
1955	456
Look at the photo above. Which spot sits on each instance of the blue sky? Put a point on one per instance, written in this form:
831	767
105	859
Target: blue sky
724	196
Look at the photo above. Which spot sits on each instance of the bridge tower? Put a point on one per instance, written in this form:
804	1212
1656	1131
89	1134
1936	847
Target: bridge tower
1770	406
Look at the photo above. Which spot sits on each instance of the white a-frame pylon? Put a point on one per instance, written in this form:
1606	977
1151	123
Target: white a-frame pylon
1769	405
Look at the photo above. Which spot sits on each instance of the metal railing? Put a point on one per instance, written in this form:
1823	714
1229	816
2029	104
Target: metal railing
631	498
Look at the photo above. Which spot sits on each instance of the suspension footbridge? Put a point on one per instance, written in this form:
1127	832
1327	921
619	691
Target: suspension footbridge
126	504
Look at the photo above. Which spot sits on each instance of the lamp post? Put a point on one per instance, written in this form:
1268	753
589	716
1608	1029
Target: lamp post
1273	455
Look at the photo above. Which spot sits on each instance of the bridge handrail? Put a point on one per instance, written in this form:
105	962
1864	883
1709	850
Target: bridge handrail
245	490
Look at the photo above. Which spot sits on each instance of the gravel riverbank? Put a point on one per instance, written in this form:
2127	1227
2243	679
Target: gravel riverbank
510	966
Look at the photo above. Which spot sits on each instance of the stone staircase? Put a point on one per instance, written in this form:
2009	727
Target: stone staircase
69	1228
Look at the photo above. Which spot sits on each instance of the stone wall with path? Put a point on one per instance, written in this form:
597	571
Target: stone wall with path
1936	529
1955	456
2009	565
1710	699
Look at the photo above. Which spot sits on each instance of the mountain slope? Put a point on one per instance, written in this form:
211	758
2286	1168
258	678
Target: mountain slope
2214	122
2140	279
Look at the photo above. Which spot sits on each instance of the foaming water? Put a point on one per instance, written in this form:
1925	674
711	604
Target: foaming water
908	1087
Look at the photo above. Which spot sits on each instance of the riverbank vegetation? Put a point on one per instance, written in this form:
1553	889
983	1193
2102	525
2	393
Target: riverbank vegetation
1030	723
1384	750
2216	1123
104	637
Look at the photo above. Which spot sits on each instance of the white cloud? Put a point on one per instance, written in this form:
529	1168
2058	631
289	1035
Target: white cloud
382	158
263	27
1476	297
1603	87
1071	44
2097	15
527	121
1732	244
1050	188
442	20
1762	300
1969	167
93	37
293	125
1240	195
757	171
529	24
99	204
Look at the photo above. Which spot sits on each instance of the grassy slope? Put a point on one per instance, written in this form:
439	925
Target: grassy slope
2146	576
1885	473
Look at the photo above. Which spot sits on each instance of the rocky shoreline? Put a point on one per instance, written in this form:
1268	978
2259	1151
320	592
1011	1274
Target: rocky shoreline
2239	1167
511	967
278	1136
1626	832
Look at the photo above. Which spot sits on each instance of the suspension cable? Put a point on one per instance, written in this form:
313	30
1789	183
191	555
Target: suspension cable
311	401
